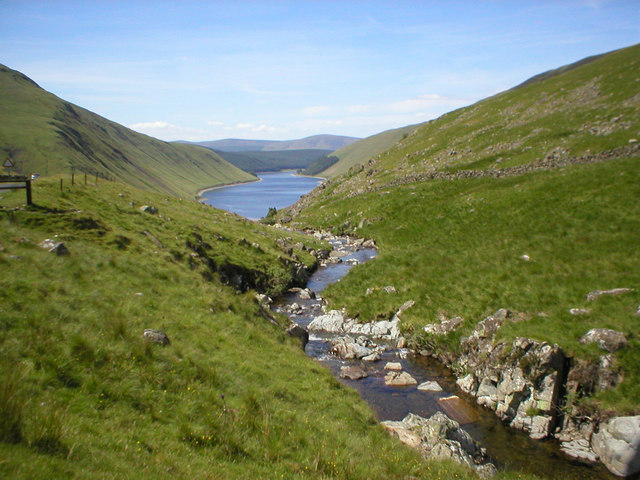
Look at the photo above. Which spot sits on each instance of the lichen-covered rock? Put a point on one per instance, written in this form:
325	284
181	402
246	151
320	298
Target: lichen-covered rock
297	331
430	386
607	339
445	326
55	247
335	322
149	209
441	437
155	336
399	379
520	381
594	295
352	372
617	443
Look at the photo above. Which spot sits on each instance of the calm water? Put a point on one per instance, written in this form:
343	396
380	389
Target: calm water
253	200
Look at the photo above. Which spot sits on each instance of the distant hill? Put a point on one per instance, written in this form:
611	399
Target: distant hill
42	133
359	152
272	160
315	142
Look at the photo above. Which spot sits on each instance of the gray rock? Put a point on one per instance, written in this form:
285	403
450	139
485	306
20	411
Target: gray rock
306	294
605	338
55	247
399	379
149	209
156	336
441	437
394	366
332	322
430	386
352	372
468	384
579	449
591	296
389	289
617	443
297	331
445	326
580	311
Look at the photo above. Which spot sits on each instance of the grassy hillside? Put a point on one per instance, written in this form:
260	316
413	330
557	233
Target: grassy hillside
271	161
83	395
548	170
42	133
359	152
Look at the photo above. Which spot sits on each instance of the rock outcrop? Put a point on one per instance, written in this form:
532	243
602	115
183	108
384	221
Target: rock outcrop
441	437
607	339
520	380
335	322
617	443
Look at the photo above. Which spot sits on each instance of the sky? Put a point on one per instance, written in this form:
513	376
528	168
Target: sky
281	70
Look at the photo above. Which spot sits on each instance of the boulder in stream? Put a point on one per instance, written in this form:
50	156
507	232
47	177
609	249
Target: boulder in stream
399	379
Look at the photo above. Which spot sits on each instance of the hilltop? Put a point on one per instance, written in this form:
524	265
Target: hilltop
506	219
359	152
42	133
315	142
272	160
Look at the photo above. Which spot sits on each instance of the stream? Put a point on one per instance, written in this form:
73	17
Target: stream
509	449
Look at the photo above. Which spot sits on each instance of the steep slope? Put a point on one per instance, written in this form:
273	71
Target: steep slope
315	142
229	395
528	200
359	152
42	133
583	111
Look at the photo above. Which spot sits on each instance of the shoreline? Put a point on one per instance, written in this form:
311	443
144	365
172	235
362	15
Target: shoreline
200	192
207	189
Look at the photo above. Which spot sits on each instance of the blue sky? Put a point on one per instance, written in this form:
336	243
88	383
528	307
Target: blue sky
289	69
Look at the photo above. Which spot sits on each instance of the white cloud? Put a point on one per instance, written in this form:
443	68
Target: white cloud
360	109
253	128
168	132
315	110
426	101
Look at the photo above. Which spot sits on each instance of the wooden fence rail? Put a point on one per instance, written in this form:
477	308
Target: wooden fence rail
14	182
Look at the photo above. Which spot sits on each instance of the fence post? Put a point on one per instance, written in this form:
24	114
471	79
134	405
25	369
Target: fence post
29	202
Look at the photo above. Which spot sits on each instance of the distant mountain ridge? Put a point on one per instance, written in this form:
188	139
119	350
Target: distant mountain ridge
314	142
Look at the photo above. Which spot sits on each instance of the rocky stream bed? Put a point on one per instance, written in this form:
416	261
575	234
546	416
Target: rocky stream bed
502	415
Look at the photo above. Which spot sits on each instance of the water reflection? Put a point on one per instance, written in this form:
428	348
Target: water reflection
253	200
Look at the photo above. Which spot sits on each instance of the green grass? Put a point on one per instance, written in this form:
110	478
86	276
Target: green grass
455	247
83	396
42	133
359	152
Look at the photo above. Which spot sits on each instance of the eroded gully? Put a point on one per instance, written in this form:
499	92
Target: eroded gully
507	448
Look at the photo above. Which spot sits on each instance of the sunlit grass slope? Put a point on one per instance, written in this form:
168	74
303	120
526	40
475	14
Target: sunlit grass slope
42	133
359	152
232	396
455	243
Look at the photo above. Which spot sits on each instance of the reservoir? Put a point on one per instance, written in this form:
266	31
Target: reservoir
253	200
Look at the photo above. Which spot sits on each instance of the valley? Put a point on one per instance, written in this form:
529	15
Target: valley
507	263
